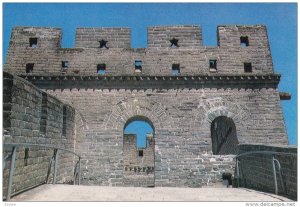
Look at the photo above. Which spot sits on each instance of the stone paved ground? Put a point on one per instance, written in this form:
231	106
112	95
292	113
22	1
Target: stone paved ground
100	193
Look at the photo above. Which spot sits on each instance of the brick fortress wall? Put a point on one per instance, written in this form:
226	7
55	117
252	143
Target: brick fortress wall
180	106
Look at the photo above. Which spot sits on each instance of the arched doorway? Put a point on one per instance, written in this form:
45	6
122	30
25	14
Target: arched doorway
223	135
138	152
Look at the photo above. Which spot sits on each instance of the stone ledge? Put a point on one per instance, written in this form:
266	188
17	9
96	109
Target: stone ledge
208	81
212	78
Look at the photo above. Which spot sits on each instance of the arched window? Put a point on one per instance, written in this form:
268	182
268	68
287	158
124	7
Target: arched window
223	135
142	128
138	151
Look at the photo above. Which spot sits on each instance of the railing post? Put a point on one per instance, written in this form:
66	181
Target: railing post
11	172
238	172
76	172
79	171
55	165
49	170
280	174
274	173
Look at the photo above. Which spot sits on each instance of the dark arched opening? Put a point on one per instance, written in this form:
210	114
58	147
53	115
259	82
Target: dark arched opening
223	135
138	152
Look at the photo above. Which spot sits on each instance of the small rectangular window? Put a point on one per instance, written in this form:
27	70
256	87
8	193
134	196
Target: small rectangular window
244	41
33	42
175	69
138	66
212	65
247	67
141	153
101	69
29	67
65	64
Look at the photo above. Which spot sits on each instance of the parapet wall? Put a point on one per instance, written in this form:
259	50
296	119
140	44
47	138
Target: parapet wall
168	47
256	169
31	116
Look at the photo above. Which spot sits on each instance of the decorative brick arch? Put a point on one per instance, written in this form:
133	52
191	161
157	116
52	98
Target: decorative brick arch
136	107
210	109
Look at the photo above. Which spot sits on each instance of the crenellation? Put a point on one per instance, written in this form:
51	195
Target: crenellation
113	46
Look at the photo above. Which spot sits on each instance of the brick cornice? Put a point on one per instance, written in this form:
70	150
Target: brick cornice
220	81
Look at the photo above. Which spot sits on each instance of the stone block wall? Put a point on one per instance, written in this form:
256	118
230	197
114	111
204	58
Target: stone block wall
23	109
256	170
182	120
157	59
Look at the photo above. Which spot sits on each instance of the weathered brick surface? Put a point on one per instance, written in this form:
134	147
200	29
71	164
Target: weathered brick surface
181	108
257	170
24	118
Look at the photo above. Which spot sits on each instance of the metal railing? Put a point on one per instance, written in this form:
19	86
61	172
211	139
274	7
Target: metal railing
53	161
275	162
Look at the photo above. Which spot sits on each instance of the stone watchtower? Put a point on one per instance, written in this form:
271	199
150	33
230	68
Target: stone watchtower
202	102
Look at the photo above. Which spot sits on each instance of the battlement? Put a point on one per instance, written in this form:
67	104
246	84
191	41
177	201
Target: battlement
183	36
36	37
235	35
174	37
171	50
103	38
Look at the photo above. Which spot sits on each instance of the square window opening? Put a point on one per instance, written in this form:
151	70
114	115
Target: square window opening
65	64
244	41
213	65
29	67
101	69
33	42
247	67
138	66
141	153
175	69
